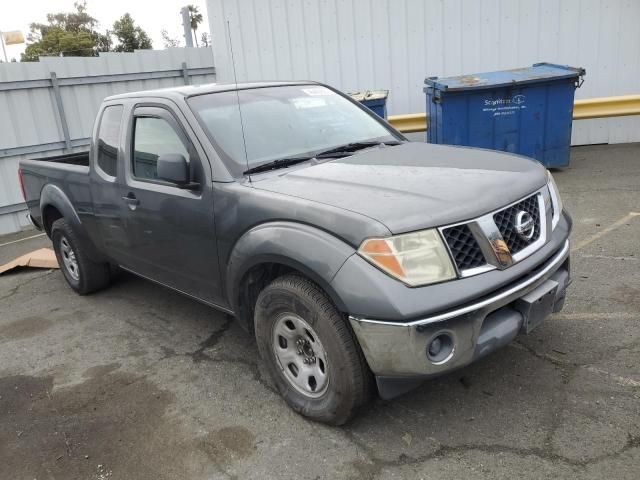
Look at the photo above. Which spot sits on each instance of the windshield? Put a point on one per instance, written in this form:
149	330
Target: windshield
282	122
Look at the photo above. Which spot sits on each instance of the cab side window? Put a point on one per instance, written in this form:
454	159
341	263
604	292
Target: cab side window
153	137
109	139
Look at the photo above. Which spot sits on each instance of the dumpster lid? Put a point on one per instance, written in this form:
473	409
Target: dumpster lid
369	95
539	72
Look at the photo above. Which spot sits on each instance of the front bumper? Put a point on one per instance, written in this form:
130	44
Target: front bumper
397	351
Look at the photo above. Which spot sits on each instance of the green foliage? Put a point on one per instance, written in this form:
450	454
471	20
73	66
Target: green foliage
72	33
57	41
130	37
195	18
75	34
168	40
205	39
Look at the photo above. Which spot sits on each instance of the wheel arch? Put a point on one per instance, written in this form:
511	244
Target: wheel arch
50	214
269	251
55	204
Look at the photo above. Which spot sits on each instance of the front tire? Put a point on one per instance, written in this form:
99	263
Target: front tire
310	351
82	275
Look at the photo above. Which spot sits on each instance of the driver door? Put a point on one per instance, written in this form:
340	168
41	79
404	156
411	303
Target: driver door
170	230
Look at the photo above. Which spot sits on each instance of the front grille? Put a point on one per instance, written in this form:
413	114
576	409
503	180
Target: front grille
506	221
464	247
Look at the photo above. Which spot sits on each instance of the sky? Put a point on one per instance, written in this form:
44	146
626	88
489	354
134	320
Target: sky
152	16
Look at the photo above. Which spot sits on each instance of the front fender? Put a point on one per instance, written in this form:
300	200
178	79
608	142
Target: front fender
314	252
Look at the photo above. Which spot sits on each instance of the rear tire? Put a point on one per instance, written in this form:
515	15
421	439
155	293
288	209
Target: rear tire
310	351
82	275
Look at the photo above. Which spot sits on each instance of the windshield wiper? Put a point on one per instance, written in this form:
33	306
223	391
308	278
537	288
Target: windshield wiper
279	163
351	147
340	151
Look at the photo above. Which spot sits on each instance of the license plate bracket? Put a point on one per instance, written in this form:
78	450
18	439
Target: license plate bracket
537	305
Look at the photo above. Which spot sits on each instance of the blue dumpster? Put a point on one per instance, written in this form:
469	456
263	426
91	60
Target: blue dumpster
374	100
526	111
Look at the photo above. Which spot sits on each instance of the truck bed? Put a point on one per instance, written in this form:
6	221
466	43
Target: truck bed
78	158
69	173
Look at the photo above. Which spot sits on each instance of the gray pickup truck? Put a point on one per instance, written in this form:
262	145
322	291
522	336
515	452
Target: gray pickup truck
356	258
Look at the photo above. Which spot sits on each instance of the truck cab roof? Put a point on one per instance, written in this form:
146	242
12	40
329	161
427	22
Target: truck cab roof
185	91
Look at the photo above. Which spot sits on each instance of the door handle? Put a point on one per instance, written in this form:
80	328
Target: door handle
131	201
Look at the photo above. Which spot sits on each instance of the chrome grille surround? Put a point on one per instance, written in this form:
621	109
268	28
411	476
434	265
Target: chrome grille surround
506	222
491	249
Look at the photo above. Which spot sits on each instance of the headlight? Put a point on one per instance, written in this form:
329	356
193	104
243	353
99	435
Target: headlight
556	201
415	258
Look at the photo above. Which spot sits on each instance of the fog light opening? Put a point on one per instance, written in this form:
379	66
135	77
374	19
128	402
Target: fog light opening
440	348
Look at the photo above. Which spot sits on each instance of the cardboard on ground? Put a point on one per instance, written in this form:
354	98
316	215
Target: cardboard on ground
42	258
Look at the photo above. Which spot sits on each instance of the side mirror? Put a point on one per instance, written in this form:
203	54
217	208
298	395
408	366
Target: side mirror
173	167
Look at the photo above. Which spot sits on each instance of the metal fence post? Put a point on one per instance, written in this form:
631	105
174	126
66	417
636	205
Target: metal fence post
60	108
185	74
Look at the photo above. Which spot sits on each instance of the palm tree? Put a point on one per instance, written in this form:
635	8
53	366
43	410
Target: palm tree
196	19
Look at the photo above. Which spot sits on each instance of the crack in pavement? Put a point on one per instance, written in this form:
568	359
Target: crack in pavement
17	288
546	452
609	257
544	356
557	415
565	365
443	451
624	381
596	316
199	355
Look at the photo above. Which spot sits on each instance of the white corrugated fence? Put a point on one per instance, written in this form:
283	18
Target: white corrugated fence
48	107
394	44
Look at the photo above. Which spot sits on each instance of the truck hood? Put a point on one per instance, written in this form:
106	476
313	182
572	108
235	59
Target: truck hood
413	185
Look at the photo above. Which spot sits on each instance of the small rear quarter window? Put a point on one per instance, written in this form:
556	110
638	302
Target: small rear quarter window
109	139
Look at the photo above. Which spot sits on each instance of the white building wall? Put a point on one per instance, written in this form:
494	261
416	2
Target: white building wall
394	44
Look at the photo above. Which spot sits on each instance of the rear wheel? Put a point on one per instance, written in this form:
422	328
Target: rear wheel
310	351
83	275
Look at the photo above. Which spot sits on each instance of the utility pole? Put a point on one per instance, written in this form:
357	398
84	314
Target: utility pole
4	50
186	23
10	38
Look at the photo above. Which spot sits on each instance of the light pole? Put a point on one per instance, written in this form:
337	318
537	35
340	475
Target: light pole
4	50
10	38
186	23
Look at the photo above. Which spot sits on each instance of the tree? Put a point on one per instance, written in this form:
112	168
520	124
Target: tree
72	33
130	37
205	39
169	41
59	42
195	19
